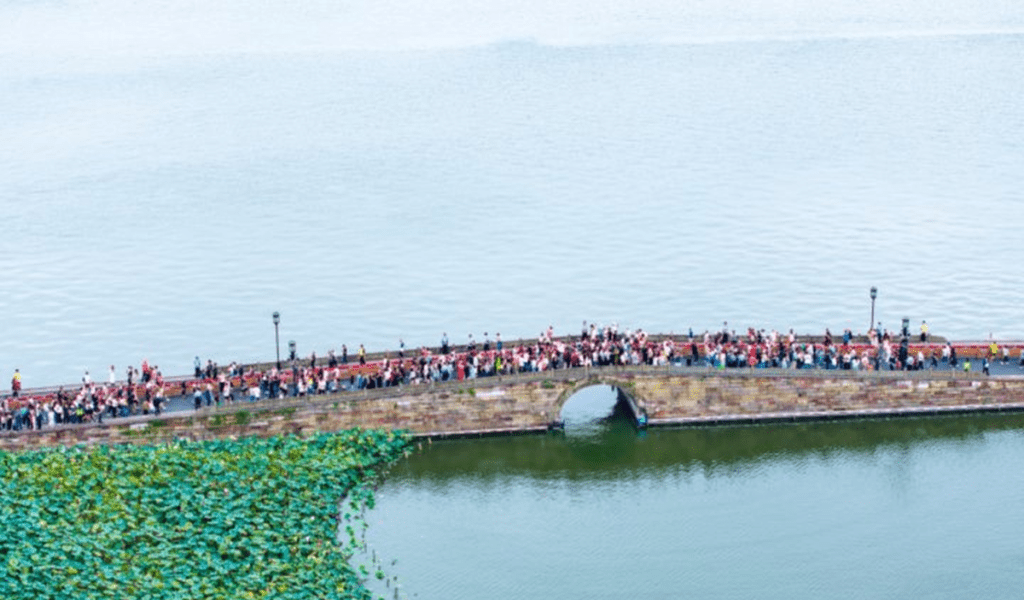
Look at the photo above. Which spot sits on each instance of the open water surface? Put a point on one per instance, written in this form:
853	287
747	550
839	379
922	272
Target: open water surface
169	177
906	508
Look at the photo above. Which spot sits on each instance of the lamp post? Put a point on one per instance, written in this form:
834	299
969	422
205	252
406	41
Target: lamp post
905	344
874	294
277	339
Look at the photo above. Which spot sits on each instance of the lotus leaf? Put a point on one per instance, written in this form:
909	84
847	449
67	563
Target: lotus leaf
253	518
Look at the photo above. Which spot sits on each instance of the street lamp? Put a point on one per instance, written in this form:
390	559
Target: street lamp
277	339
874	294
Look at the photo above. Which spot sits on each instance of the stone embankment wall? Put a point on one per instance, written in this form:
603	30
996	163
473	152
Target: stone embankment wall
451	409
532	402
748	396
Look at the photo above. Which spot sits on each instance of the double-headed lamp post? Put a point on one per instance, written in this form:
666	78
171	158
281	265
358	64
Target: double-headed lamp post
277	340
874	294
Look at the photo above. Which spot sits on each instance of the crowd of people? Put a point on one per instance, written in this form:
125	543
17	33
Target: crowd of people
880	350
145	391
142	391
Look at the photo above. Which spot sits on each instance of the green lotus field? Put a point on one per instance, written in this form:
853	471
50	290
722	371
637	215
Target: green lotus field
254	518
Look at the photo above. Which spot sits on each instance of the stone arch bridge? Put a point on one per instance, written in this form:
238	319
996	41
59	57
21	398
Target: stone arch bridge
528	402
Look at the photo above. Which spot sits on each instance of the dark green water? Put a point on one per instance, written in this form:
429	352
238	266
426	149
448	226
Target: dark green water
913	508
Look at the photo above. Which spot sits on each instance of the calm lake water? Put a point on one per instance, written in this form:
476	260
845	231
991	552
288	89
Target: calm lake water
913	508
172	176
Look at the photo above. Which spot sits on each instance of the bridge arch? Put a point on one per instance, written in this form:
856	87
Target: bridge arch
589	405
625	397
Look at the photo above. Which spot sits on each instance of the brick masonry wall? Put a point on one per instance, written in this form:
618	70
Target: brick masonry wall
693	398
446	410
